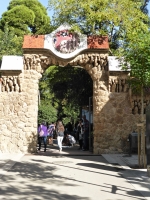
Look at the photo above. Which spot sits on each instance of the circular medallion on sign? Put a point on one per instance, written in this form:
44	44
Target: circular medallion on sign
66	42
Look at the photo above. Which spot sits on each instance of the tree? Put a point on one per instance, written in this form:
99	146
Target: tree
46	112
70	83
117	19
10	44
22	17
137	58
26	17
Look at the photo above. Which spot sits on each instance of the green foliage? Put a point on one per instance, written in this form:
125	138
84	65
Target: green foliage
22	17
137	58
117	19
46	112
70	84
70	113
26	17
10	44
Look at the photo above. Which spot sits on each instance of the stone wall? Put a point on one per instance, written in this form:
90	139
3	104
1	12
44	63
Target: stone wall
18	111
114	123
116	114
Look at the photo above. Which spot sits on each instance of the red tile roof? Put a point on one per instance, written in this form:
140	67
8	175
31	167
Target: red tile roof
33	41
97	42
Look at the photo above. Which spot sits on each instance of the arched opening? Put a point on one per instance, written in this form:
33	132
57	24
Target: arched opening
64	95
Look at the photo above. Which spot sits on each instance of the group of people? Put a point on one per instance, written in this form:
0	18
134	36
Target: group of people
63	134
45	131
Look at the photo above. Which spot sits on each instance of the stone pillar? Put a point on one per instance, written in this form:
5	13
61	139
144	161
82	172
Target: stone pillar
99	121
113	117
31	84
18	111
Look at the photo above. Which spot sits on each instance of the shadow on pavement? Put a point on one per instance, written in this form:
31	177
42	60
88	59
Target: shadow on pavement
33	181
34	178
38	176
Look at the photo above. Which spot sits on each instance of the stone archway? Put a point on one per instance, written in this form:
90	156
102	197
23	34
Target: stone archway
112	108
95	63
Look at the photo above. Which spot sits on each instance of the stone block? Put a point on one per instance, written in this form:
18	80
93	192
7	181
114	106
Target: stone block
28	124
120	150
20	125
29	101
27	76
95	150
96	144
119	119
23	118
3	126
112	149
24	149
29	114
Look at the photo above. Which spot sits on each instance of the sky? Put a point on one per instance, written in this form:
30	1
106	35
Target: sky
3	6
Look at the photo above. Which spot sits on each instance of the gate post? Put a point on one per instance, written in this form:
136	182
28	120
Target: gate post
148	138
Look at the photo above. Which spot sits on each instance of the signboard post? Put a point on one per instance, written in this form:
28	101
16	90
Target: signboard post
148	138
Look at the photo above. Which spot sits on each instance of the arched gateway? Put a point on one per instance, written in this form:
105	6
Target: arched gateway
113	108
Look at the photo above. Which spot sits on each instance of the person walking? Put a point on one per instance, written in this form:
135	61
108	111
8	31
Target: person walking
60	134
43	132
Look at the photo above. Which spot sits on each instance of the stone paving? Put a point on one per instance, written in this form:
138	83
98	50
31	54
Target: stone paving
7	160
82	177
124	160
109	176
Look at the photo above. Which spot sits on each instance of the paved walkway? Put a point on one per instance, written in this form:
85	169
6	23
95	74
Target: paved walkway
138	178
72	175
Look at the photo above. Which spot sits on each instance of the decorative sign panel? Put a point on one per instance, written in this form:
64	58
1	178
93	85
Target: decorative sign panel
64	43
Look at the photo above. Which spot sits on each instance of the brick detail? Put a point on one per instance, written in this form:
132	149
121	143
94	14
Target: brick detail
97	42
33	41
